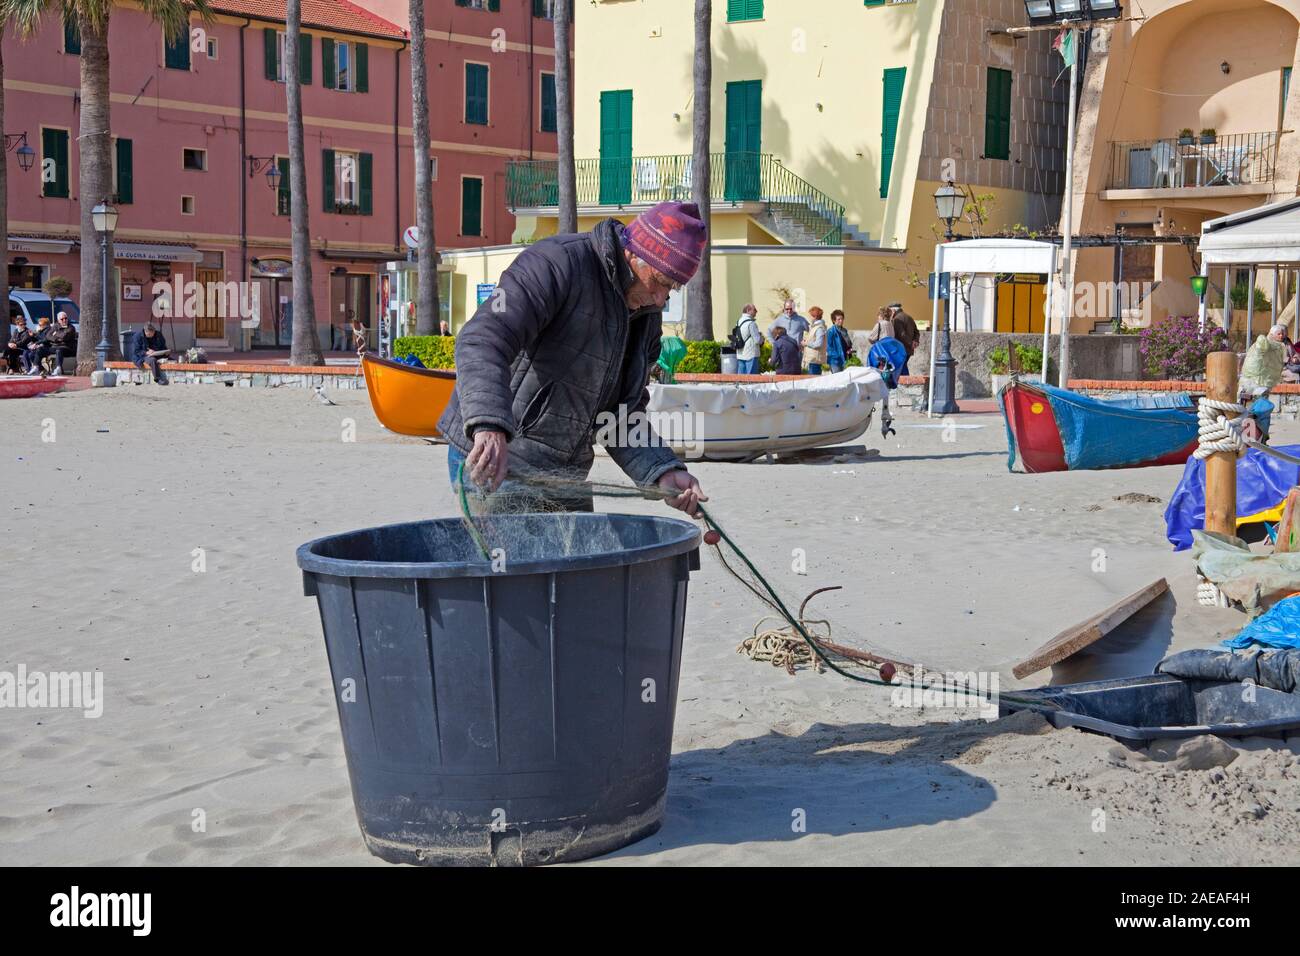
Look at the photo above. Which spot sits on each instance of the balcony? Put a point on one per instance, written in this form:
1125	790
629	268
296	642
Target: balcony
793	209
1236	163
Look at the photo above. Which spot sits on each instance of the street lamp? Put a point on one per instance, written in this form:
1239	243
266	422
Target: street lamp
949	201
104	217
26	155
255	163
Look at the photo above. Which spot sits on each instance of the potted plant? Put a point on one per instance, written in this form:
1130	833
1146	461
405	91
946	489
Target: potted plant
1185	137
1027	365
1208	136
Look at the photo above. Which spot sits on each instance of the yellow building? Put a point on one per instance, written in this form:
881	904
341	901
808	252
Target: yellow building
1219	66
832	125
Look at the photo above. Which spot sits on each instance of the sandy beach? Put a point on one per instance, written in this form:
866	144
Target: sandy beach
218	704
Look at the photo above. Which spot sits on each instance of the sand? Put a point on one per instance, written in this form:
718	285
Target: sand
219	741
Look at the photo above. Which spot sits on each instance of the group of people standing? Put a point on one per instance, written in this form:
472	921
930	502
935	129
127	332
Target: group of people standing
808	344
40	352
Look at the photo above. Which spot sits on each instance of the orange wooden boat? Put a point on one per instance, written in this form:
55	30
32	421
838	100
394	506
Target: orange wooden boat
406	399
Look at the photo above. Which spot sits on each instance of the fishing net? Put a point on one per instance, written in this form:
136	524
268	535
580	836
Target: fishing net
787	634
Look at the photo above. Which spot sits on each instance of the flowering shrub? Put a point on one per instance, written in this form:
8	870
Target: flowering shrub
1176	348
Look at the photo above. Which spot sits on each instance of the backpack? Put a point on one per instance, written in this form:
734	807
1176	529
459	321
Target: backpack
736	338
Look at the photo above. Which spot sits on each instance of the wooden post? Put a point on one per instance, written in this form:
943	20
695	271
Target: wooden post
1221	467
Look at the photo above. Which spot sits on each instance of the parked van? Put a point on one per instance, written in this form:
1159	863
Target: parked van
33	305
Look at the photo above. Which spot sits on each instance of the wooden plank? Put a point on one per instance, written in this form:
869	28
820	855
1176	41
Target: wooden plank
1076	638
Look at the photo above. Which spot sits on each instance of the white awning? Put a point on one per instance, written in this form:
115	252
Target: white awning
992	256
1265	235
154	252
32	244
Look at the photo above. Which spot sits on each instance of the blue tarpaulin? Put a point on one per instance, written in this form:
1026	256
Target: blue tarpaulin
1262	483
1279	626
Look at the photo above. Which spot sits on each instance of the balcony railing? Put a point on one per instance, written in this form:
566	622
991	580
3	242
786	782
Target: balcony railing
644	180
1235	159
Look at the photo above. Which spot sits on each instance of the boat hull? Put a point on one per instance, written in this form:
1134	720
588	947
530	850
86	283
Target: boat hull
735	422
407	400
1036	433
26	386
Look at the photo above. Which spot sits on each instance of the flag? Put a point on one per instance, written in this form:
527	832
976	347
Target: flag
1064	45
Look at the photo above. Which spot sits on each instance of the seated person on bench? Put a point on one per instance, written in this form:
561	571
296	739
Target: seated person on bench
149	348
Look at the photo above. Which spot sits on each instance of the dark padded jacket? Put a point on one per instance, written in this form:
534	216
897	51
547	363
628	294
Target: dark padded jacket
554	347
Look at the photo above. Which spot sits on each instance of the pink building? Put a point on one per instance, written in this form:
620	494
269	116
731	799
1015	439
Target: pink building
198	127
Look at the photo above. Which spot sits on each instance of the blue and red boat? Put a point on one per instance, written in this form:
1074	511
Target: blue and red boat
1053	429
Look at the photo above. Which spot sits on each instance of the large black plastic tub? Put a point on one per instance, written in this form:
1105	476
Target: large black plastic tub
1141	709
517	716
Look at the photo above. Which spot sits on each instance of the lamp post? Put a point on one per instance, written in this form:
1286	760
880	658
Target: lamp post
26	155
949	201
104	217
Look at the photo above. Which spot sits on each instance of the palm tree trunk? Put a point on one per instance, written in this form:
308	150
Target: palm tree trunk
95	185
699	295
426	301
305	347
568	177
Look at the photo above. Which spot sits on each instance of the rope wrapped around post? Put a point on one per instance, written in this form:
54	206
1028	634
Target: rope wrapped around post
1217	431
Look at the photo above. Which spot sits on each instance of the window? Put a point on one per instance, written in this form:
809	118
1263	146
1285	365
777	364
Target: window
123	172
549	123
873	3
345	65
471	206
54	163
212	48
476	94
490	5
433	169
889	123
195	159
738	10
273	56
544	9
348	182
176	53
71	37
282	190
187	205
997	115
1286	88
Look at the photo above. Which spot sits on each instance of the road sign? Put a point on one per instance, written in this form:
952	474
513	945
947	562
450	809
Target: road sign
412	237
485	290
943	291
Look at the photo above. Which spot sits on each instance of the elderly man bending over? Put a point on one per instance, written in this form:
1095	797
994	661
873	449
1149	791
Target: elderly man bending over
563	347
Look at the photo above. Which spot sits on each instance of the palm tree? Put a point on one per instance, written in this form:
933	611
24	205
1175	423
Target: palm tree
95	137
305	346
568	177
699	298
426	297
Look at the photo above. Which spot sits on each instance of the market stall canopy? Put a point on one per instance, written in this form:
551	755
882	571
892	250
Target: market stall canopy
993	256
1265	235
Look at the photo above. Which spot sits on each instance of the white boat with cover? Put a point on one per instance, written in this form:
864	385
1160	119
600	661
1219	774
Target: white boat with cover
741	421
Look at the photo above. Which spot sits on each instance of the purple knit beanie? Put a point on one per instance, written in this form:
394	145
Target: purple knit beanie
670	237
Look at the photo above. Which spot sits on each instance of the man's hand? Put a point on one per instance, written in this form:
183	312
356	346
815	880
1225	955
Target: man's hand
689	496
487	460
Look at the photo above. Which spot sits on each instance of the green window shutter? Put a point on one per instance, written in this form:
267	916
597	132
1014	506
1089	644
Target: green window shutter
1286	84
54	152
362	67
494	6
327	77
271	53
997	115
304	59
738	10
176	53
462	3
549	119
71	37
873	3
282	190
125	174
327	178
889	123
539	8
367	196
471	206
476	94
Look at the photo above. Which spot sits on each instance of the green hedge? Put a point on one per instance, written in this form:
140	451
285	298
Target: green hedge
435	351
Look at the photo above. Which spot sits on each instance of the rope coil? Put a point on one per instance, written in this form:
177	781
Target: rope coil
1217	432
